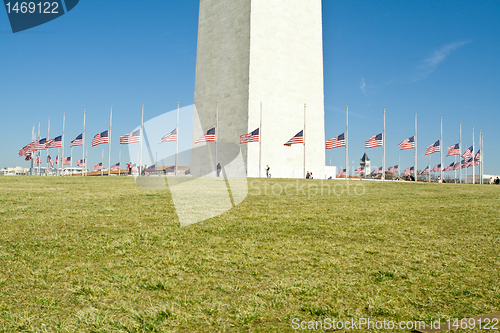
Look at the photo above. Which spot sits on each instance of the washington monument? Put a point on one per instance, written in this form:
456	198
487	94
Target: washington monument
259	51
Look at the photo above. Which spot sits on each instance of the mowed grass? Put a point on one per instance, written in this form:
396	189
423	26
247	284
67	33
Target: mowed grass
104	255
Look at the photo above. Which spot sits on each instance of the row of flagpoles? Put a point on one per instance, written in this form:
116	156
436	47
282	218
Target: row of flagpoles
32	150
411	143
254	136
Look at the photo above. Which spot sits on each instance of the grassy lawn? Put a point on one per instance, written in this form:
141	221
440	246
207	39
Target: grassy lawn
103	255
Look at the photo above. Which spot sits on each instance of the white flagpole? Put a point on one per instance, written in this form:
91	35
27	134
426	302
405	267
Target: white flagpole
48	149
33	138
39	157
441	147
415	150
429	170
260	140
304	141
109	140
102	159
63	142
83	145
142	139
399	166
71	161
473	166
119	161
176	142
85	160
216	134
346	142
481	157
383	151
460	153
480	153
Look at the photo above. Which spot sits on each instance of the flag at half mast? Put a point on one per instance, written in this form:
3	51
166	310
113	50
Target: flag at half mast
426	170
250	137
77	141
209	136
132	137
374	141
409	171
450	167
468	153
393	169
297	138
453	150
98	166
434	148
408	143
100	138
172	136
336	142
80	163
54	143
437	168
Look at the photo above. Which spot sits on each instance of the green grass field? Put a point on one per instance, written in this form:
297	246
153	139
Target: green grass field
103	255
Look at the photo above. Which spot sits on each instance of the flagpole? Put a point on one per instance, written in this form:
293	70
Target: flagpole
415	152
260	140
33	137
473	166
142	139
441	147
460	152
304	141
102	159
109	140
399	166
119	161
85	160
48	149
63	136
383	151
39	137
176	142
83	145
346	142
455	169
481	158
429	170
216	133
71	162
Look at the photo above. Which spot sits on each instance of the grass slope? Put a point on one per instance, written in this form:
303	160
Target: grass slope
103	255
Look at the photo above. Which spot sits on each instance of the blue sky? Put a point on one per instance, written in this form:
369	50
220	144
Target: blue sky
437	59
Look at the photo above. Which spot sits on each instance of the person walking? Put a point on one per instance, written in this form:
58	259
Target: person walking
218	169
268	170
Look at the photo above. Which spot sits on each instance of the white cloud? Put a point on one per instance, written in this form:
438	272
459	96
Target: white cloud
430	63
362	86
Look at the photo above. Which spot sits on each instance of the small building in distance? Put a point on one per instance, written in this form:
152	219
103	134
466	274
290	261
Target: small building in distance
365	163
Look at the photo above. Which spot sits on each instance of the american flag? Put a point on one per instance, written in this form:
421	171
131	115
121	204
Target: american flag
409	171
453	150
57	159
98	166
132	137
477	158
437	168
458	165
209	136
434	148
77	141
377	171
470	162
408	143
297	138
37	160
38	145
100	138
250	137
468	153
450	167
374	141
393	169
426	170
115	167
80	163
359	170
54	143
336	142
26	149
341	173
463	164
66	160
27	157
172	136
49	159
